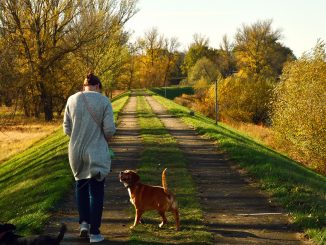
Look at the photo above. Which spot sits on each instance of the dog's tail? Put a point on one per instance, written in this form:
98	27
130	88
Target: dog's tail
165	186
62	232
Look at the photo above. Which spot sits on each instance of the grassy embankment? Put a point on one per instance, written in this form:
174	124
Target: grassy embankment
34	181
161	151
299	190
18	132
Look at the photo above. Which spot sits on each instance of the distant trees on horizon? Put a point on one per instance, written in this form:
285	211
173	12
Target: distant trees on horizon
47	47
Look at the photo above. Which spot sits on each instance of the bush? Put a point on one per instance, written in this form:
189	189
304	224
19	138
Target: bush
244	99
300	109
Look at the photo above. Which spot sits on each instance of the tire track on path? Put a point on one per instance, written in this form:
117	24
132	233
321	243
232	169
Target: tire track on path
127	145
236	211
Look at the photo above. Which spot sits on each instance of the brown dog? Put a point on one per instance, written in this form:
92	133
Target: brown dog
147	197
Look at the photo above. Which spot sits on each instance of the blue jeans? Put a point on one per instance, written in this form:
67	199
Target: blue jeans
90	197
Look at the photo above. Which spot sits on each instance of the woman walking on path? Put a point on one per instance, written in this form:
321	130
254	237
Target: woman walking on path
89	122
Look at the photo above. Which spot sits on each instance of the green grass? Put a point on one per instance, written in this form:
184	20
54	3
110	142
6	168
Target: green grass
172	92
161	151
33	183
299	190
118	103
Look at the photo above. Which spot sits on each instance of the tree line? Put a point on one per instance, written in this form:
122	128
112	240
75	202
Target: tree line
47	47
259	80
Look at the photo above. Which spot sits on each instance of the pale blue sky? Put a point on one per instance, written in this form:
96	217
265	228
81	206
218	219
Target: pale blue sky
302	22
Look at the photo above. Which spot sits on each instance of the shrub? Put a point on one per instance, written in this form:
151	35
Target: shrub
299	108
244	99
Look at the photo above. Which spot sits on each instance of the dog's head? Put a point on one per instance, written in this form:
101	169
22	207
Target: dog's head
5	228
129	178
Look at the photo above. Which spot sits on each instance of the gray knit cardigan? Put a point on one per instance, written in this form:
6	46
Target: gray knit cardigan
88	149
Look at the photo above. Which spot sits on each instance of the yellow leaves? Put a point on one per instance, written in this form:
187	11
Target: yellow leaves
258	51
201	84
300	109
242	99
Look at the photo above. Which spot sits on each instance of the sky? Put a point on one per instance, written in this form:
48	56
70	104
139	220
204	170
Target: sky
301	22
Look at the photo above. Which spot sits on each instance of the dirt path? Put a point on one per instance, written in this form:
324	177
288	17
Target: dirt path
116	218
235	210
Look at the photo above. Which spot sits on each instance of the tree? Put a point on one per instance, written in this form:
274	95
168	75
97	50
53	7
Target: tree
46	32
151	46
129	75
258	51
226	60
108	54
8	75
197	50
157	58
203	69
259	57
171	46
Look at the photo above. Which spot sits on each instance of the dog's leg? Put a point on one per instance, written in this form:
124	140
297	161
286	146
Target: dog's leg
164	220
138	215
176	217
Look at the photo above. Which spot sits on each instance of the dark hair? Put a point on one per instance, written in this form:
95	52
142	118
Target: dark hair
91	79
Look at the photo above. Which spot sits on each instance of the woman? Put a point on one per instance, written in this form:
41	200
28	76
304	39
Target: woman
89	122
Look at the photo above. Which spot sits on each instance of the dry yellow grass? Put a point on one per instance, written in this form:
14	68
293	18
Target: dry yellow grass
16	138
257	132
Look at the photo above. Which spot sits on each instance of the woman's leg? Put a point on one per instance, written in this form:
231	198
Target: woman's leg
83	200
96	192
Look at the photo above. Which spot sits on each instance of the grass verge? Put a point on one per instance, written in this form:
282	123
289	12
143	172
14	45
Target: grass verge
299	190
33	182
161	151
118	103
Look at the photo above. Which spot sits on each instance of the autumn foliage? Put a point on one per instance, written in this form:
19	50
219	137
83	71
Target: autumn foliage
267	86
299	108
47	47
